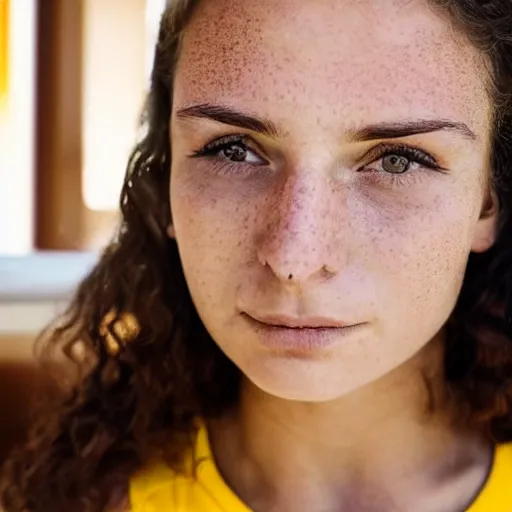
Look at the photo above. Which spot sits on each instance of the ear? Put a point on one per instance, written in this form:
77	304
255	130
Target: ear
171	233
486	227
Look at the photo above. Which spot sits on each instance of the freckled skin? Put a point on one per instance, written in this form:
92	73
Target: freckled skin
395	255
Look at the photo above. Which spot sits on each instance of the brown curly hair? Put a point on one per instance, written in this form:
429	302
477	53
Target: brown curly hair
144	367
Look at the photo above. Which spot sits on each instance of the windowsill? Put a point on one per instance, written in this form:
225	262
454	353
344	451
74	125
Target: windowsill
43	275
35	288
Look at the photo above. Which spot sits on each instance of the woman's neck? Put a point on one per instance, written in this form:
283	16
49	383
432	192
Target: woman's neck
389	446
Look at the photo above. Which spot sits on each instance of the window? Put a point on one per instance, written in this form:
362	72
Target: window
63	155
73	75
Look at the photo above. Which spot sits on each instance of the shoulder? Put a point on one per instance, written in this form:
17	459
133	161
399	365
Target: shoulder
148	486
155	484
158	486
504	454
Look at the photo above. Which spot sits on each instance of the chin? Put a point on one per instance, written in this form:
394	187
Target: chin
301	395
301	381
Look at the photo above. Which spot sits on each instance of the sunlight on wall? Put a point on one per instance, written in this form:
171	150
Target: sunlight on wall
17	131
4	51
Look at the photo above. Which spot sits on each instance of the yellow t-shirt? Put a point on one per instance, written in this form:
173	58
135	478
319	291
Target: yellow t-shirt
159	489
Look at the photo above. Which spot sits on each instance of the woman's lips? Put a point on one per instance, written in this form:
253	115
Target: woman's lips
298	322
303	334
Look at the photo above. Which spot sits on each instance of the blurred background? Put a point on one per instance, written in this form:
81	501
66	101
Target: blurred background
73	76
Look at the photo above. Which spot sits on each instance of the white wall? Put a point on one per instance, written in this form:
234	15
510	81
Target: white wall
119	39
114	83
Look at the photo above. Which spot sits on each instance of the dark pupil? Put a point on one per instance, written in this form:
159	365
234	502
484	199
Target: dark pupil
395	163
235	152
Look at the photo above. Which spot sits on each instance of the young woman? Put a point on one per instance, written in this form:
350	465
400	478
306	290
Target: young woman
308	304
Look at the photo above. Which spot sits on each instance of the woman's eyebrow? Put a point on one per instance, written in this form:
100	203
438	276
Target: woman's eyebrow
385	130
395	130
228	115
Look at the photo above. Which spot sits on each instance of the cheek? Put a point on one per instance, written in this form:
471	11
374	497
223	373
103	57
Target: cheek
214	230
420	255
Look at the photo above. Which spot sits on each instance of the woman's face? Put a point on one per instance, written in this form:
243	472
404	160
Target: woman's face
329	172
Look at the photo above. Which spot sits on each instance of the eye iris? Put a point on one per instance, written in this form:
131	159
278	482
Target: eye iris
235	152
395	164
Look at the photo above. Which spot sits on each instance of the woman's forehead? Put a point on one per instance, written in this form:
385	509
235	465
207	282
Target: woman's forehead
332	59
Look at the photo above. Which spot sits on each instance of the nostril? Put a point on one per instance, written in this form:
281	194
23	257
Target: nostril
290	277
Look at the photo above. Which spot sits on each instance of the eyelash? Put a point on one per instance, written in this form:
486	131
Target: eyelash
226	166
411	153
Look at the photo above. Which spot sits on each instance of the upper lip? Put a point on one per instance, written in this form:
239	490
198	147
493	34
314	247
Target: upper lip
298	322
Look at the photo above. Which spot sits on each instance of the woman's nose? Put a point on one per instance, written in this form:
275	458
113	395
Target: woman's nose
305	232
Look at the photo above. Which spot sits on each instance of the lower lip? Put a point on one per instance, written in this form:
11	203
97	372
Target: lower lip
306	339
